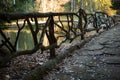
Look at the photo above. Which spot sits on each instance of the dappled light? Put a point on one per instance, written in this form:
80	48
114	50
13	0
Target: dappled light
56	5
59	40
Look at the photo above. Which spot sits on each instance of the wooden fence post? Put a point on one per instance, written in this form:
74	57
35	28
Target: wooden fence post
51	37
80	23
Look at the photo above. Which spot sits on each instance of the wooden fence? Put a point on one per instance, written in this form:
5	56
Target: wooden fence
68	25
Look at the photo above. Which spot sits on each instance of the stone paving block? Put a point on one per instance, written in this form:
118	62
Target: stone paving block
95	47
111	60
112	51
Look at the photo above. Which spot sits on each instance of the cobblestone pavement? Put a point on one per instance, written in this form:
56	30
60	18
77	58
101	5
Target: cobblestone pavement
97	60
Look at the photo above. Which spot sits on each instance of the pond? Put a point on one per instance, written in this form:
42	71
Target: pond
25	39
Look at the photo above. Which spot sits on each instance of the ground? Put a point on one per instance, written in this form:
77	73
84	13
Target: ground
97	60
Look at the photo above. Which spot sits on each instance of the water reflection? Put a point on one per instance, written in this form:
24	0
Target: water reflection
25	40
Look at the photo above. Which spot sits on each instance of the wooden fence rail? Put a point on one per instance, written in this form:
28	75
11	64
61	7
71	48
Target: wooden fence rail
76	24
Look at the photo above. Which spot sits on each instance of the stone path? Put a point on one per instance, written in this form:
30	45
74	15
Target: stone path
97	60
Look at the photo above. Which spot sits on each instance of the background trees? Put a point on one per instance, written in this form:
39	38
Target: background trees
50	5
116	5
16	5
58	5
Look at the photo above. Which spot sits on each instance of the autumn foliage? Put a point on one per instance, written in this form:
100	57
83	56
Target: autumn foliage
50	5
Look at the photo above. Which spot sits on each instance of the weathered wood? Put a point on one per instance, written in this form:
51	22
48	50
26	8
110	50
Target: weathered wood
51	37
34	33
18	33
7	41
70	32
82	16
15	16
